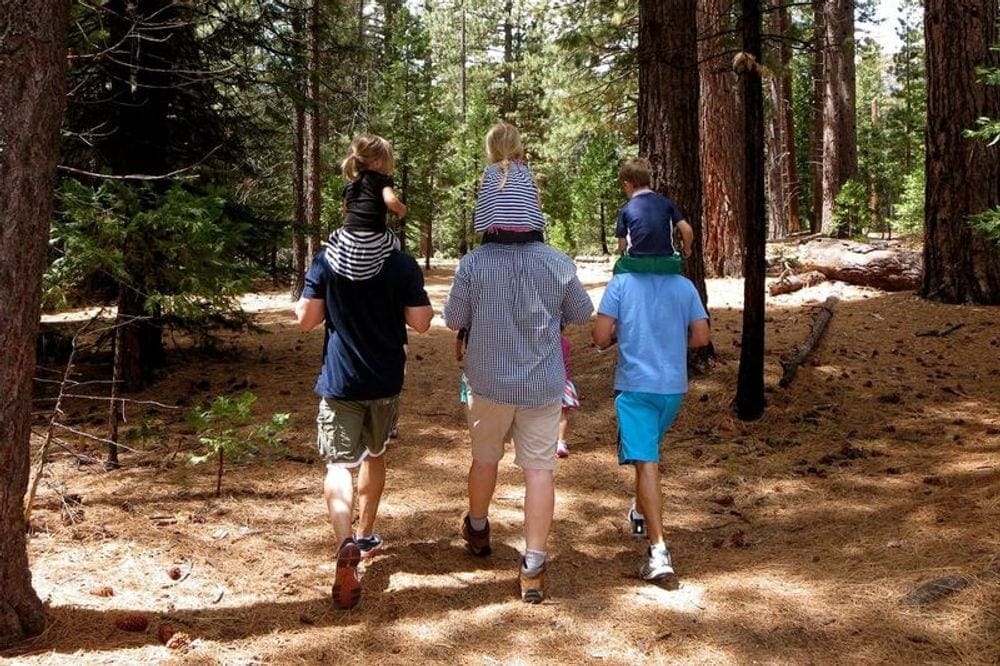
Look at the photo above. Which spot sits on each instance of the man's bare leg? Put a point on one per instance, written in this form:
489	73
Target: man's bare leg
371	483
482	484
539	505
339	493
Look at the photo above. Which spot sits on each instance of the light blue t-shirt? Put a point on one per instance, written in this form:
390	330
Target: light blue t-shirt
653	313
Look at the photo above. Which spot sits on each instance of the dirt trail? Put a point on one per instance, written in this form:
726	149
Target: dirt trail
795	537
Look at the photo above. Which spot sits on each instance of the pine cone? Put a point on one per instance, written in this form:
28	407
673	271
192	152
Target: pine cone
179	641
103	591
137	623
165	632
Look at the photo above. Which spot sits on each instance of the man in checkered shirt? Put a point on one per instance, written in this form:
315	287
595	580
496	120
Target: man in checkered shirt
512	299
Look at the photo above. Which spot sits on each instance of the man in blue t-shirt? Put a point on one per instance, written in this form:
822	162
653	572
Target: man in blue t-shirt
656	318
359	384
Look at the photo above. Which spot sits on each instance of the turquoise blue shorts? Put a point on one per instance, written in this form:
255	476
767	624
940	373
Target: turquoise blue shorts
643	420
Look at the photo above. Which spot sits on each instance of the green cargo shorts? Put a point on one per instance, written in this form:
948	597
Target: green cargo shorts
350	430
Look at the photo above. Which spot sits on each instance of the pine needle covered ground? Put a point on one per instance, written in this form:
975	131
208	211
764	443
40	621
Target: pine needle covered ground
797	538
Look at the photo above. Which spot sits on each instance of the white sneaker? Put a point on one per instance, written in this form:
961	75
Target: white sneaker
657	566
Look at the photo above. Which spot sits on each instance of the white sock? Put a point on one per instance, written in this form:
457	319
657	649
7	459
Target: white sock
478	524
534	560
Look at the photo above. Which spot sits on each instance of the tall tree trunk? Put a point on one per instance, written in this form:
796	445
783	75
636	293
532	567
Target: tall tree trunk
311	132
721	130
793	187
465	232
963	175
300	256
840	138
668	112
145	94
404	186
782	178
33	68
507	105
816	118
603	230
777	214
750	379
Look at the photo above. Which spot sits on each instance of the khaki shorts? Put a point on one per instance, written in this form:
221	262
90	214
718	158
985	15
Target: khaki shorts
533	429
348	431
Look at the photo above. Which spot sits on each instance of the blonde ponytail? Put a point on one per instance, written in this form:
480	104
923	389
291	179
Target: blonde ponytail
503	145
368	152
349	167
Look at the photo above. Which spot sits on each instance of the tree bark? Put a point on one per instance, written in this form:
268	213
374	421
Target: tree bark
33	68
668	112
311	133
792	283
299	248
750	401
963	174
840	137
880	266
721	129
777	218
816	119
793	187
782	179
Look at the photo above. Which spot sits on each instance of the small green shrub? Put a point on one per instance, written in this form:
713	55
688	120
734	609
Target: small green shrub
226	429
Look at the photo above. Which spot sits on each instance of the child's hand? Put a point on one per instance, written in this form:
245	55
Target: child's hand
459	350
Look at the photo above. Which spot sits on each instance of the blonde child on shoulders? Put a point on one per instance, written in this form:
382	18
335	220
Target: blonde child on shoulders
508	206
358	249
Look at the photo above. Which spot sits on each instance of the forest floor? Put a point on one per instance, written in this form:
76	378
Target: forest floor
796	537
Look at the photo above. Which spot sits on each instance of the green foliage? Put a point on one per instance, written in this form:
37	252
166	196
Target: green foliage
179	249
988	130
852	212
225	429
988	223
909	210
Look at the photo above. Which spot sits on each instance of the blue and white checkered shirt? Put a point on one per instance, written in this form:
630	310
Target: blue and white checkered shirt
512	299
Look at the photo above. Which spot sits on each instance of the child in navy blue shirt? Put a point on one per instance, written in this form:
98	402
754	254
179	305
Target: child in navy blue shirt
646	225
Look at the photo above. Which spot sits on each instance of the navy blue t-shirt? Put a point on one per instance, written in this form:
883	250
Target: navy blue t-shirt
366	330
648	221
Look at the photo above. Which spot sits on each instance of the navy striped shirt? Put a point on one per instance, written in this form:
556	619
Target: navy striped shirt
513	298
513	207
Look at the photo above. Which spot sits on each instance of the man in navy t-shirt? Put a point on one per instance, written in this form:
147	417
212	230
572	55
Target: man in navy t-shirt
359	385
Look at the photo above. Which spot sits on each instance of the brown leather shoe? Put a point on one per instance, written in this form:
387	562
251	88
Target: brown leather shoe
477	541
532	589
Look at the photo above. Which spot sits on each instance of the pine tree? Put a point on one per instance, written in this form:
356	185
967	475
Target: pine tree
33	66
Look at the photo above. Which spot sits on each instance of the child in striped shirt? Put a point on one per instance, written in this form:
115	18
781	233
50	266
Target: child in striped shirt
359	248
509	206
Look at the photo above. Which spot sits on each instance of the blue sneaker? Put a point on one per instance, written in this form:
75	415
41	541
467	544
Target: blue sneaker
368	545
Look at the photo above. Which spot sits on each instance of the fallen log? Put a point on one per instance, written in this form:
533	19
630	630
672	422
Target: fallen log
791	365
880	265
789	283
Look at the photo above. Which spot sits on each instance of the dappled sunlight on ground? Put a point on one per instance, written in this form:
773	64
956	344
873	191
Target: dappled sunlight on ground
795	537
